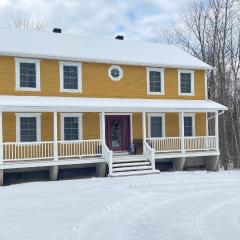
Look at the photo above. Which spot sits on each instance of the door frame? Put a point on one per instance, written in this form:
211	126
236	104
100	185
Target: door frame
130	133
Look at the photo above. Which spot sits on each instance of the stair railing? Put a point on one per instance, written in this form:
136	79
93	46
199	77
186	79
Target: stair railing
107	154
149	153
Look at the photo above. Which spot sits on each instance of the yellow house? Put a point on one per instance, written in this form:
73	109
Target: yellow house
74	101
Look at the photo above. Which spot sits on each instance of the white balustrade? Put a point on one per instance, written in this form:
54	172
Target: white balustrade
28	150
173	144
150	153
79	148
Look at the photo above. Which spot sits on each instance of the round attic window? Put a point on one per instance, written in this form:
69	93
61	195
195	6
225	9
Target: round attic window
115	72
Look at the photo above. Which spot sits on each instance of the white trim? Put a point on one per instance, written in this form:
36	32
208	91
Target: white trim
161	70
162	115
192	82
1	139
193	123
206	85
207	131
120	72
55	135
102	127
80	128
17	74
119	114
79	69
131	128
38	126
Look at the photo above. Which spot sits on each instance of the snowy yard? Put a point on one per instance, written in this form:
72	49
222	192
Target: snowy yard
187	205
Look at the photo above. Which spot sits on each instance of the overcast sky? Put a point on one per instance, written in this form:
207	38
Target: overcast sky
138	19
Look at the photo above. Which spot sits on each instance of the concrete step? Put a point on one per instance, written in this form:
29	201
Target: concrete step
132	168
128	164
134	173
129	159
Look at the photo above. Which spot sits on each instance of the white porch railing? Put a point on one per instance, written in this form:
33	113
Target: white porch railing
174	144
200	143
13	151
107	154
27	150
79	148
150	153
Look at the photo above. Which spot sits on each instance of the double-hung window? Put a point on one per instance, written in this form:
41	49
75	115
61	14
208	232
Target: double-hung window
186	82
70	77
189	125
155	81
156	125
28	127
27	74
71	126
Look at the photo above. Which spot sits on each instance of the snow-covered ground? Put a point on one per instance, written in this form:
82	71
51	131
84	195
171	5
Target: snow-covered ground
187	205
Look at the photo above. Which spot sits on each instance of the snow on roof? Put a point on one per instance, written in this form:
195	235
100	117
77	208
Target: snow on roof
79	104
16	42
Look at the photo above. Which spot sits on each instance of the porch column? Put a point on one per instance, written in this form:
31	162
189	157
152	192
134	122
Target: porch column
103	126
55	129
1	139
144	129
216	130
182	131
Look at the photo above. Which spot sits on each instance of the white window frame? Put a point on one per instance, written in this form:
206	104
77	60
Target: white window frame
79	68
80	128
192	93
193	123
161	70
162	115
17	72
120	72
18	127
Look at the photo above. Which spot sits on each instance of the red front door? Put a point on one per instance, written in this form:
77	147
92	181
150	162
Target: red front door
118	132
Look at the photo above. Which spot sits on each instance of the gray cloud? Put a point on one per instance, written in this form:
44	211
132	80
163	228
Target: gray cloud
134	18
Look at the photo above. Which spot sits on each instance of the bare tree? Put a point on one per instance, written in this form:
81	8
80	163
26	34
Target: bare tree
210	30
24	21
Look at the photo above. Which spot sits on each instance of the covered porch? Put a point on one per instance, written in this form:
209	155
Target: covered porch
97	146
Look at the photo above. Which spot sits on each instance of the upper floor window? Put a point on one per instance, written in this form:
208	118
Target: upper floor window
27	74
186	82
70	77
155	81
189	125
156	125
28	127
115	72
71	126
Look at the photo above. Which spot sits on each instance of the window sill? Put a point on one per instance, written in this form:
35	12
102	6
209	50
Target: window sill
71	91
186	94
28	89
156	93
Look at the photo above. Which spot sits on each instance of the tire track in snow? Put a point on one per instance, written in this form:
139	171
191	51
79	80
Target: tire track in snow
146	202
206	212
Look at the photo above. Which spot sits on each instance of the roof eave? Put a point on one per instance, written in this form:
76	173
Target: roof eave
106	61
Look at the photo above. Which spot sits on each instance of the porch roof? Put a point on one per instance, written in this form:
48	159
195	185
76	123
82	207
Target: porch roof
83	104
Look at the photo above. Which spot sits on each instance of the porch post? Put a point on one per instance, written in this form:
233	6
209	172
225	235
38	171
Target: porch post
144	129
55	129
182	131
1	139
216	130
103	126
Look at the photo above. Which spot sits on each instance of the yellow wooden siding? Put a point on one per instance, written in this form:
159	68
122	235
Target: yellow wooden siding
91	128
96	82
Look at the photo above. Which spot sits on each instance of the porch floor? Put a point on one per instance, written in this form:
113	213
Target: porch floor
50	162
186	154
18	164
